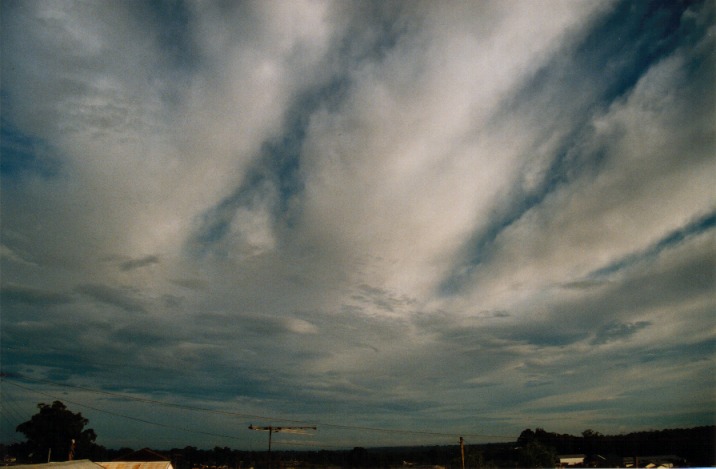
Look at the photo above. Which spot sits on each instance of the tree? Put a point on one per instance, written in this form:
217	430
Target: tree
55	431
527	436
537	455
589	433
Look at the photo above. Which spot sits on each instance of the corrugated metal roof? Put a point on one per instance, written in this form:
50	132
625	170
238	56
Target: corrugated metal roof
135	465
78	464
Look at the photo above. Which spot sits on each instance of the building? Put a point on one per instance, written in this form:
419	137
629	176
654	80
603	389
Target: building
571	460
79	464
134	465
143	459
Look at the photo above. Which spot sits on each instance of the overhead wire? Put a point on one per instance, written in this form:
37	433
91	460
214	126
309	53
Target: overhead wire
9	407
10	414
117	414
255	416
140	420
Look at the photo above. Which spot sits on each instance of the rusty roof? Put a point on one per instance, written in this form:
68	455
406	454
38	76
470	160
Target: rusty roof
136	465
77	464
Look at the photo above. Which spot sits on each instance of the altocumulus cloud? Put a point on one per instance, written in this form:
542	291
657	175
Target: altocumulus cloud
468	218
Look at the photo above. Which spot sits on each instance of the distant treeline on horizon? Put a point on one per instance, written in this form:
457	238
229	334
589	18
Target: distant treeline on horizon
694	446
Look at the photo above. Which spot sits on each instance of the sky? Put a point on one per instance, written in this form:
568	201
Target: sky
399	222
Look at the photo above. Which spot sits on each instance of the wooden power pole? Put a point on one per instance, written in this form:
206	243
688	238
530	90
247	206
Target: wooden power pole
462	452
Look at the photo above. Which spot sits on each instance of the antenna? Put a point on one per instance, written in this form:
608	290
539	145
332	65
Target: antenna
271	430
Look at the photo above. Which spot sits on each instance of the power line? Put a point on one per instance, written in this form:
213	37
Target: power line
255	416
9	407
271	430
117	414
136	419
150	401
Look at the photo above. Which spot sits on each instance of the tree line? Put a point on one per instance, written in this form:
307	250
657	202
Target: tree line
56	433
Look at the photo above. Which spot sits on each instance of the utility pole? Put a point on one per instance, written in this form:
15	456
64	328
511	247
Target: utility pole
271	430
462	452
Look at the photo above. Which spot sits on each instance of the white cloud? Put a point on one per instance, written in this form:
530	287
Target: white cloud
409	166
653	179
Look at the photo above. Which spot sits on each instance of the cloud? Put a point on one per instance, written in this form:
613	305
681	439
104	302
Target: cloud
617	331
119	298
401	215
138	263
32	296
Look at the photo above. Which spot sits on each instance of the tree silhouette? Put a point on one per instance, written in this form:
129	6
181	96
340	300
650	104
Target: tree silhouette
534	454
57	433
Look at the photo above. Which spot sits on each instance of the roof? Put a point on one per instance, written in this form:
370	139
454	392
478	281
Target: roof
78	464
136	465
144	454
571	458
